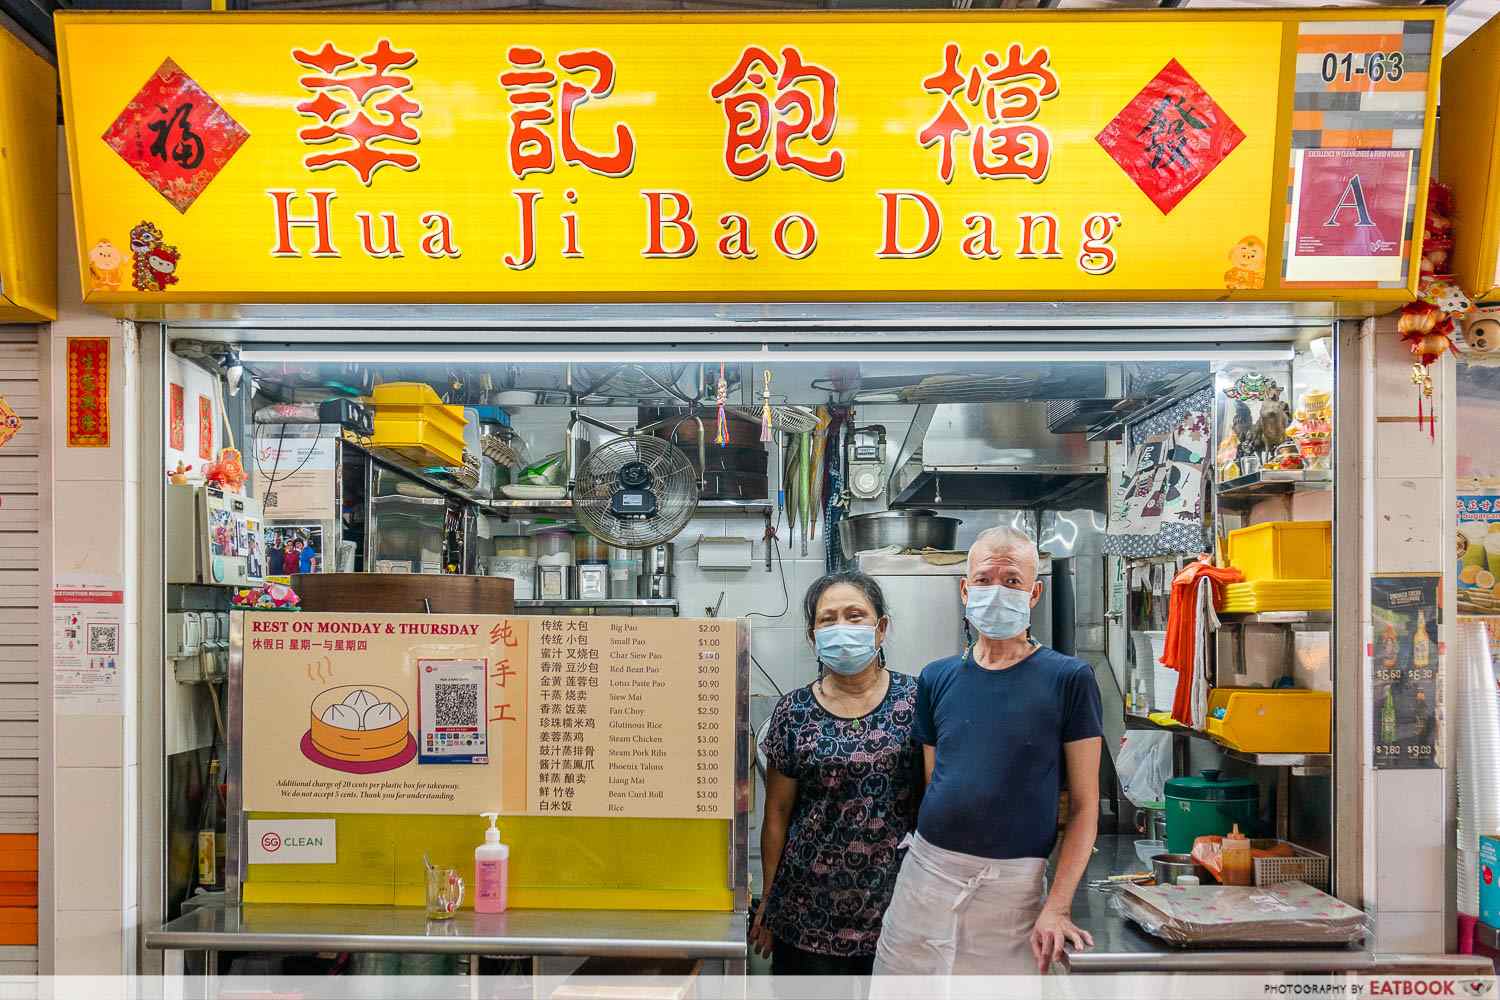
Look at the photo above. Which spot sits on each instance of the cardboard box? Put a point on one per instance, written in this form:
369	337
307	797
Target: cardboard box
1489	879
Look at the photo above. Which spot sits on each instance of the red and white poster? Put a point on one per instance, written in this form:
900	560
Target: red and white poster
1349	209
88	646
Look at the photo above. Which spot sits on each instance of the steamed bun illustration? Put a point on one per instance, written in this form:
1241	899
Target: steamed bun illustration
361	700
381	715
342	716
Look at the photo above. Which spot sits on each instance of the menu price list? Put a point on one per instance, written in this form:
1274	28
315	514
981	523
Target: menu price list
635	717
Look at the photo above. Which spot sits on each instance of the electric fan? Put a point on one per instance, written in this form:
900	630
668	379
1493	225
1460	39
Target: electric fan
635	491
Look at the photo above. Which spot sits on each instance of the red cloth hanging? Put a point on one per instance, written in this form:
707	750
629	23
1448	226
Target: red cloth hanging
1182	626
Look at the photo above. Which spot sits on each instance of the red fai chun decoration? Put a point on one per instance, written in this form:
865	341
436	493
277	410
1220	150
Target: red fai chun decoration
1427	325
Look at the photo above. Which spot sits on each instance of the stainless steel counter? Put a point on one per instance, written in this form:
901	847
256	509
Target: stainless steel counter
1121	946
286	928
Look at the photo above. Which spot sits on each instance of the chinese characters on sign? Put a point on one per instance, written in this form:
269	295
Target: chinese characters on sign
1009	94
359	101
529	83
1170	136
175	135
805	106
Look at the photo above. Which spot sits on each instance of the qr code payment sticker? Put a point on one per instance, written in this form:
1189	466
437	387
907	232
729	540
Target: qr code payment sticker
103	640
453	712
456	705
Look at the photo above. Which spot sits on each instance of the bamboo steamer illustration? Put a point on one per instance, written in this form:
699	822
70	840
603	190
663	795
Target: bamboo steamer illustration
359	728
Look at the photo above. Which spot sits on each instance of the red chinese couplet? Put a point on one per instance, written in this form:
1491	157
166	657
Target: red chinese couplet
88	392
177	419
205	429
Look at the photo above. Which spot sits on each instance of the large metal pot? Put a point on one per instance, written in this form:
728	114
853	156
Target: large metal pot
909	529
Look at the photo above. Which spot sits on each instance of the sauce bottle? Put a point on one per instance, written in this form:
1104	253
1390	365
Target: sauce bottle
1236	865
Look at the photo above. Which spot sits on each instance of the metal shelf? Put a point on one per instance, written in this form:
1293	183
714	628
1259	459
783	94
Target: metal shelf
608	602
1300	761
549	506
1277	618
1272	483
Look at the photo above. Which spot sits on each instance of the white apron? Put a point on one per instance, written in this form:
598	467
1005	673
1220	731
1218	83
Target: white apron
959	914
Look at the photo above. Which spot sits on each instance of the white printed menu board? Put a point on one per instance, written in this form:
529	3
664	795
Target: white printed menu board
461	714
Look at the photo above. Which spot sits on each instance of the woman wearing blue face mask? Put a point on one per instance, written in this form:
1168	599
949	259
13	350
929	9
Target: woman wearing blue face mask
843	782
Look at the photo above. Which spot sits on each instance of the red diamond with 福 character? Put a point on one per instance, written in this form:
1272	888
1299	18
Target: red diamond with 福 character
175	136
1170	136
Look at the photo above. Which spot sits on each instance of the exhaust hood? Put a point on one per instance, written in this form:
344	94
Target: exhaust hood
1000	456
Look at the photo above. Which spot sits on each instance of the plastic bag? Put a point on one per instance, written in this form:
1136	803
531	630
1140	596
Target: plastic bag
1144	765
547	472
1206	915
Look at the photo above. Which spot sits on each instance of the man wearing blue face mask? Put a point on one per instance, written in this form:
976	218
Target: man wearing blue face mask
998	726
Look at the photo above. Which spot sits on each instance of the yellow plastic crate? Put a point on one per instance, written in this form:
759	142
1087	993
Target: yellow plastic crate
1283	550
1271	720
412	424
1277	595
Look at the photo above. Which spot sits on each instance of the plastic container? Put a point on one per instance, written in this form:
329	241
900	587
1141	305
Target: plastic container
491	871
588	549
1236	866
1304	866
1205	806
1145	850
624	567
413	424
1283	550
1277	595
554	548
515	546
520	570
1271	720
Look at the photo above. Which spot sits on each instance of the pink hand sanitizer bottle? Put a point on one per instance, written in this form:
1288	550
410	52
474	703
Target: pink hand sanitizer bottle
491	870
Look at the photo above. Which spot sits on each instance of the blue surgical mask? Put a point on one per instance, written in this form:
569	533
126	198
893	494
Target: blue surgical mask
846	649
999	612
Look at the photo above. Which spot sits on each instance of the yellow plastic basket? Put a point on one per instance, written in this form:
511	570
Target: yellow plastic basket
1277	595
1283	550
411	423
1271	720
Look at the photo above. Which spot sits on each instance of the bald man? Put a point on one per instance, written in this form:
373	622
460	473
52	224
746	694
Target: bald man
997	726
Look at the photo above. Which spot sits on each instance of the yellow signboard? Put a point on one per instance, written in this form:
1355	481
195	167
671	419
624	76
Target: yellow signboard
28	185
1470	160
243	158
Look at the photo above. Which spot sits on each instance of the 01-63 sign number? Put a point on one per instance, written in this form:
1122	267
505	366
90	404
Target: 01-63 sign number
1376	66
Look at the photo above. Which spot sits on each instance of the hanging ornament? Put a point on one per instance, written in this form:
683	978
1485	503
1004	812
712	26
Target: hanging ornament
1426	327
721	437
1422	379
765	408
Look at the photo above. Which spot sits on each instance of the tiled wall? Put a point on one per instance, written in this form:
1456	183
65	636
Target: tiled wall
95	810
1406	482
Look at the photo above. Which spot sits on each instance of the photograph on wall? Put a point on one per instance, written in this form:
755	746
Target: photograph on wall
1406	662
294	548
1348	218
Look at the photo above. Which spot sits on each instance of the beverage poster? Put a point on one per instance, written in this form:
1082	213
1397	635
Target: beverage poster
1406	660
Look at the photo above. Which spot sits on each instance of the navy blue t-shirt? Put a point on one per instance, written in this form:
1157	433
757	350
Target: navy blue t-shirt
999	736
